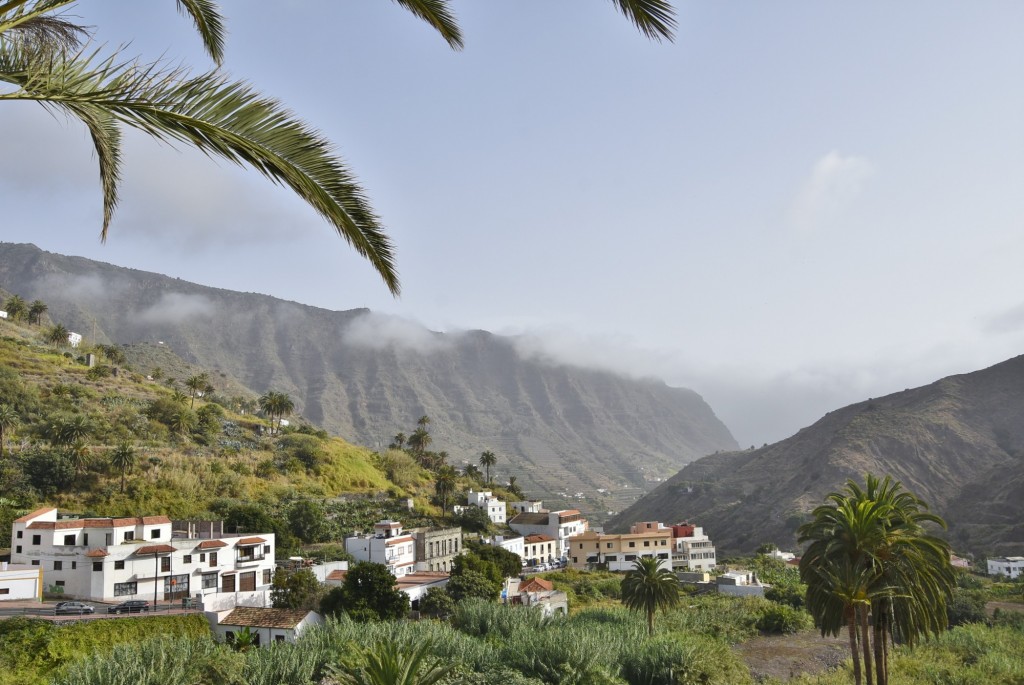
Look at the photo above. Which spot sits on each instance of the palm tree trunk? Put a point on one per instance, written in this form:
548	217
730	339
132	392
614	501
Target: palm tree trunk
650	622
122	481
879	638
851	628
865	643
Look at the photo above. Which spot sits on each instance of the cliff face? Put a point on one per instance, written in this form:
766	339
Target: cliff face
957	443
555	427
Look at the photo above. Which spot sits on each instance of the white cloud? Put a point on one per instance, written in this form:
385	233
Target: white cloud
382	331
831	189
177	307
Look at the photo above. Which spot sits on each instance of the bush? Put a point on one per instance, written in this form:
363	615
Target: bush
783	620
688	661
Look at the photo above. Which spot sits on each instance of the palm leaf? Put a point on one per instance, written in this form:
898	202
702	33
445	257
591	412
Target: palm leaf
655	18
438	15
208	23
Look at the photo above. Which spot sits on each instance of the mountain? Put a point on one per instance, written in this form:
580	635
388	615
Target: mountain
957	443
557	428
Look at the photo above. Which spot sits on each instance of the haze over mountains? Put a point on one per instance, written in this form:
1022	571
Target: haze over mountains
958	443
366	377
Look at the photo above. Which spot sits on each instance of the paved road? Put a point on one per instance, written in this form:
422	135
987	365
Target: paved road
47	610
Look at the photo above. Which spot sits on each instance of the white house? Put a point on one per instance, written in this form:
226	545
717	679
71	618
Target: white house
20	581
416	585
514	544
558	525
266	625
527	507
1011	567
494	507
692	549
3	314
741	583
538	593
74	339
388	545
116	559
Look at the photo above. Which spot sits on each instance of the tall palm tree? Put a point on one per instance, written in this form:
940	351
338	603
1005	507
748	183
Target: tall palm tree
472	471
398	442
182	420
487	460
36	311
420	440
196	384
444	485
123	459
8	422
15	307
649	587
78	453
276	404
387	664
57	335
72	430
871	559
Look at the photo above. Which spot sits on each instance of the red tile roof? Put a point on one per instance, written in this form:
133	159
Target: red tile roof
251	541
95	553
538	537
255	617
38	512
212	544
536	585
40	525
337	575
155	549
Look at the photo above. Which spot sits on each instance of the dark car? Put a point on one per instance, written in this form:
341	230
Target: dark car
76	608
132	606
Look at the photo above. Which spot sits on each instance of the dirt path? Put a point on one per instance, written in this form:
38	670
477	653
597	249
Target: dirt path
786	656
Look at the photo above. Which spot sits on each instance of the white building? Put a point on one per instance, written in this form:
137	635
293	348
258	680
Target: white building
116	559
1011	567
494	507
509	544
558	525
740	583
266	625
692	549
619	552
20	581
74	339
3	314
388	546
416	585
527	507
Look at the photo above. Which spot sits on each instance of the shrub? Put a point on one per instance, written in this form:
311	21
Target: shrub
783	620
692	660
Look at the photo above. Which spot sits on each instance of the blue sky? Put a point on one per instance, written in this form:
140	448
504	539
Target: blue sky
792	207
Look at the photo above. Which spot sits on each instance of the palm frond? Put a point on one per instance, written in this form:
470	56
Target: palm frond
217	116
208	23
656	19
438	15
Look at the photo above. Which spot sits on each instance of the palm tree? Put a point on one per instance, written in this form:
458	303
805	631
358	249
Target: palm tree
398	442
15	307
178	397
649	587
36	311
487	460
471	471
57	335
182	420
196	384
75	429
8	422
513	486
871	562
419	440
444	485
277	404
123	459
78	453
386	664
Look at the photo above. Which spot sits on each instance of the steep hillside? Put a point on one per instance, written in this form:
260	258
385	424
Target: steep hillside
958	443
556	428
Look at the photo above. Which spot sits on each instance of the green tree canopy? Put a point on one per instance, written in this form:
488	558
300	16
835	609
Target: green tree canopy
368	593
649	587
296	589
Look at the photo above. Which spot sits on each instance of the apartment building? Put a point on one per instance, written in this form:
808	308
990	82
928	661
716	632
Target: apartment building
485	500
389	545
436	548
116	559
558	525
619	552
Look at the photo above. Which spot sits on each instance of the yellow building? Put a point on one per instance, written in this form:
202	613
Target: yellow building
619	552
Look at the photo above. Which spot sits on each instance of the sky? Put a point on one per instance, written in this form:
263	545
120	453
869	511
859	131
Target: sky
792	207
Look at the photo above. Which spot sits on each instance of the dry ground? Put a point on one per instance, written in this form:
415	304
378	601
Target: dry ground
786	656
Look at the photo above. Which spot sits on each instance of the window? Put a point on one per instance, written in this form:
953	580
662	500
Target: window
213	558
85	539
69	539
74	565
227	583
97	566
108	539
129	536
5	590
155	535
202	557
35	562
247	583
268	576
36	539
608	545
279	638
119	565
229	636
121	589
59	583
18	549
58	566
21	533
187	559
266	549
581	545
165	564
632	544
647	543
209	580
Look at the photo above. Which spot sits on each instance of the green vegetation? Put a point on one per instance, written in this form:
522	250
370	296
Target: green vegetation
648	587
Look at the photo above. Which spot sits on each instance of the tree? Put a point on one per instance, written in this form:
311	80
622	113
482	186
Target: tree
195	385
368	593
513	486
471	471
419	440
296	589
487	460
78	453
123	458
437	603
277	404
508	563
15	306
57	335
387	664
8	422
872	567
444	485
649	588
472	584
308	521
398	442
36	311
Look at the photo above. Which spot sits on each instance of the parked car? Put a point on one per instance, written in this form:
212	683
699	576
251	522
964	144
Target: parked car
77	608
132	606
